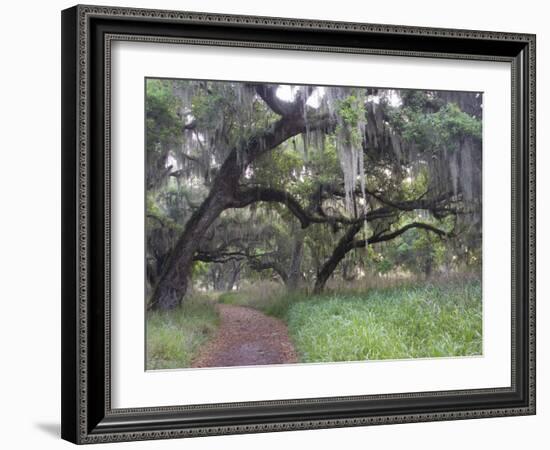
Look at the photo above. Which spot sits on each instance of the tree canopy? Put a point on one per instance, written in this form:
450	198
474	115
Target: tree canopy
306	183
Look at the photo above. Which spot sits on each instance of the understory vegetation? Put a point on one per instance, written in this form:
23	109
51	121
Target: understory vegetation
174	337
405	319
397	323
399	319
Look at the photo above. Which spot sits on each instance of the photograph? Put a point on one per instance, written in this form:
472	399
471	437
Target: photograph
283	223
289	223
275	225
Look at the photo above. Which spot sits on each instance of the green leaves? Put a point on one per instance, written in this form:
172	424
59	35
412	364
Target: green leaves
437	130
352	109
161	114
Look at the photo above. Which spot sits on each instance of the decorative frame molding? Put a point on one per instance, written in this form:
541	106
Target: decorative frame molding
87	34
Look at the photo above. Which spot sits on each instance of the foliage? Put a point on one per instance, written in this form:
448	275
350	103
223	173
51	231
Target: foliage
161	111
435	131
379	148
352	112
174	337
421	322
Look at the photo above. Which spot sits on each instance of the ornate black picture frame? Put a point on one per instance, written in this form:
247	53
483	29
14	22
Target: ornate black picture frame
87	34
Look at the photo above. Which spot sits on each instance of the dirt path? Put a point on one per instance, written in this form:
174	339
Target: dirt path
246	337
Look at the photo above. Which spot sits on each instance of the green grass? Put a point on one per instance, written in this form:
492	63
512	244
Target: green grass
422	320
269	297
411	320
173	337
233	298
276	304
396	323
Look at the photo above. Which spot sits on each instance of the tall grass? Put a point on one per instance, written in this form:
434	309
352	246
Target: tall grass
173	337
266	296
396	320
373	281
395	323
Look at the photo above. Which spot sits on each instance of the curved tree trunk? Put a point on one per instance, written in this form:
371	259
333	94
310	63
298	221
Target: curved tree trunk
347	243
339	252
173	282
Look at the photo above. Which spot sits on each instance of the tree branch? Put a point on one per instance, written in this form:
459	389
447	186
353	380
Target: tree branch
347	243
245	197
268	93
259	266
190	125
219	257
179	173
382	237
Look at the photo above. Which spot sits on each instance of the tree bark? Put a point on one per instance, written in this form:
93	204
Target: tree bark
295	260
338	254
234	275
270	265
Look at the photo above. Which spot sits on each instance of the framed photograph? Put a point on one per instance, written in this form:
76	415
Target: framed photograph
279	224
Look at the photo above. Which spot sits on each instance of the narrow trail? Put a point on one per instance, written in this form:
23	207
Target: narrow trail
246	337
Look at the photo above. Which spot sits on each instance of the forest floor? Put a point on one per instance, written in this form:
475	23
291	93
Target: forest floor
264	324
246	337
